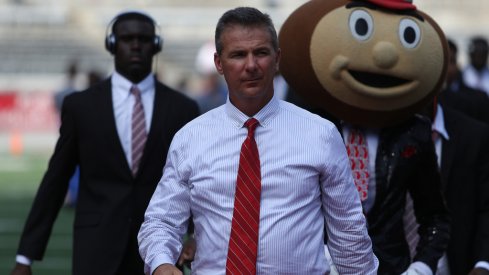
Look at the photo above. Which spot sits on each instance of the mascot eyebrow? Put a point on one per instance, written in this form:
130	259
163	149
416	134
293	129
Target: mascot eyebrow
365	4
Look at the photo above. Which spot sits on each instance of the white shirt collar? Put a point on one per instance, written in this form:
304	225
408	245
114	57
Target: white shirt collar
123	84
263	116
439	123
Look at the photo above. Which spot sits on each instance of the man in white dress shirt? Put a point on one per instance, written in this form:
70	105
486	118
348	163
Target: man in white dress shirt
302	189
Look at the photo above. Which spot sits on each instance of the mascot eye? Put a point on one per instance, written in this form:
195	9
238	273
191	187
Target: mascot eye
361	25
409	33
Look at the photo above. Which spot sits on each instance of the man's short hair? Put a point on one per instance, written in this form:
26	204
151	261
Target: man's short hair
247	17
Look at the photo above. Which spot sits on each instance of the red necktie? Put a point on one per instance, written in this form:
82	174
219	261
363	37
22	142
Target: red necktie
138	130
243	242
356	147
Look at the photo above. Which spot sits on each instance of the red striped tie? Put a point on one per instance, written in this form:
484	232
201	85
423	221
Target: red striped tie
138	130
357	149
243	242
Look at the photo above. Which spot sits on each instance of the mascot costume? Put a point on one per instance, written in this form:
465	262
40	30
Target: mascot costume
371	65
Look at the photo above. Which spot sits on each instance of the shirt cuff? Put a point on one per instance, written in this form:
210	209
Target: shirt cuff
156	262
482	264
21	259
421	268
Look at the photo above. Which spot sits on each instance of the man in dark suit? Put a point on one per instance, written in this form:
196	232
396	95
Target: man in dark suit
459	96
464	150
98	133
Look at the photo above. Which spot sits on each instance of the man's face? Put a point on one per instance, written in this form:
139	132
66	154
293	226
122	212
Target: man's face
248	62
134	48
478	56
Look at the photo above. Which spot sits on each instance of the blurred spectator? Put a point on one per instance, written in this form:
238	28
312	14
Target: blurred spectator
183	84
69	86
476	74
280	86
458	95
212	91
94	77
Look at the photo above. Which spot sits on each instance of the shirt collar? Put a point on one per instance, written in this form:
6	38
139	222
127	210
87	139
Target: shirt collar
263	116
439	123
123	84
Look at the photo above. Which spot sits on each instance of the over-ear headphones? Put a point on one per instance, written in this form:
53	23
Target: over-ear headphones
110	38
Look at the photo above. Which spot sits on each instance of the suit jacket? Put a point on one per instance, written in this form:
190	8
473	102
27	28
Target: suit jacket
472	102
465	183
406	162
111	202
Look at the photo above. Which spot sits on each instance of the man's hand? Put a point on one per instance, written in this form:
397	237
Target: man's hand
20	269
479	271
167	269
188	252
411	271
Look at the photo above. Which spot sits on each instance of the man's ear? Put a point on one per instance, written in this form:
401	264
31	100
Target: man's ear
277	60
217	63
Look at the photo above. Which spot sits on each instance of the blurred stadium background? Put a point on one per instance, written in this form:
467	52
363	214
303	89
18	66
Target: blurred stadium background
39	38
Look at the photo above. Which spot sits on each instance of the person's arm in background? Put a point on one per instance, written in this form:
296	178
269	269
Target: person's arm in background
50	195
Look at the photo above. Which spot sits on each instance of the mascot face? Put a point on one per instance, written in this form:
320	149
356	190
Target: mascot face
366	64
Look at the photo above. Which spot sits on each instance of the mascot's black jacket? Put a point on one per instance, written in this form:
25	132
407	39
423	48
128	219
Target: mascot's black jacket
406	162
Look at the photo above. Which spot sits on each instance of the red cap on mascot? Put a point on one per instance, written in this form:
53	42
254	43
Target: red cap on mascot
395	4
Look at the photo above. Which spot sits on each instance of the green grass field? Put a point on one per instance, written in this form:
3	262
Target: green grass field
19	179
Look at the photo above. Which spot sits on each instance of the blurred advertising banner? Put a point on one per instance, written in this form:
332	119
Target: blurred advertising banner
27	112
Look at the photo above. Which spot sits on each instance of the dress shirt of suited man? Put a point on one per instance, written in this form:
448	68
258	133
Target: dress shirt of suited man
95	133
302	188
463	156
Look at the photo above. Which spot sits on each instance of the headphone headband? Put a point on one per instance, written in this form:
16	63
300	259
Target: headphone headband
110	38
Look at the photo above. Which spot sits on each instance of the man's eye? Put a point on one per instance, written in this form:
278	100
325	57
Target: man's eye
145	39
129	38
237	55
124	38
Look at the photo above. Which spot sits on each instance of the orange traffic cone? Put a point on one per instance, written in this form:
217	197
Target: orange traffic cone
16	144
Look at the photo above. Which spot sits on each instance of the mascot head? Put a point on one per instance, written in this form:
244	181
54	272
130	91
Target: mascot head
372	63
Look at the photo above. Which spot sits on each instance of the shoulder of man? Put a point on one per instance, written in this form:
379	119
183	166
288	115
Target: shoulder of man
161	87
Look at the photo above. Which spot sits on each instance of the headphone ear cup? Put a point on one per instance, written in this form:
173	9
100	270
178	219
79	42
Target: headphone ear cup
158	43
110	43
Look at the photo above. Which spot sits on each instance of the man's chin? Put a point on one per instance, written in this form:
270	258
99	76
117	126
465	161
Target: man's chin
137	74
